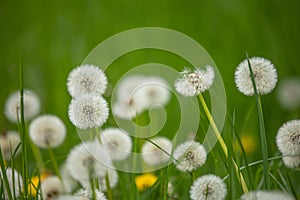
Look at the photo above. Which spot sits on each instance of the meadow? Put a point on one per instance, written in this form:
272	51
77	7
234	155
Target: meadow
47	40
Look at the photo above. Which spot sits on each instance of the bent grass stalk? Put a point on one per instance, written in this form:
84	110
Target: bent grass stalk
221	141
54	163
262	129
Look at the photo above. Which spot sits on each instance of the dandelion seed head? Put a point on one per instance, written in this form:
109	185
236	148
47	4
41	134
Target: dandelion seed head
153	91
117	143
288	93
266	195
88	158
31	106
9	141
47	131
265	76
113	180
51	187
288	138
88	111
68	181
15	181
153	155
208	187
86	79
195	82
292	162
190	156
86	194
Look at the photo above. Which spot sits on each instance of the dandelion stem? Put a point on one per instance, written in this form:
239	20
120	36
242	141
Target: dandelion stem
221	141
23	135
53	160
108	188
262	129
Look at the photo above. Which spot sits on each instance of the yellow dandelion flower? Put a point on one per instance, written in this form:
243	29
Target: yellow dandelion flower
34	183
145	181
249	144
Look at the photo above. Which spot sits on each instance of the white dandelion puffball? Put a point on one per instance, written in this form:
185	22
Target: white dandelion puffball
288	138
9	141
113	180
88	159
288	93
208	187
15	182
86	194
127	86
264	72
88	111
266	195
31	106
117	143
153	91
189	156
68	181
128	105
47	131
86	79
195	82
68	197
51	187
292	162
153	155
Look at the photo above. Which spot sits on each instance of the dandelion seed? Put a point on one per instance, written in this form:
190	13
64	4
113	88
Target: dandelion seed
86	79
88	159
154	155
292	162
86	194
9	141
288	138
15	182
208	187
31	106
264	72
113	180
51	188
117	143
289	93
189	156
145	181
47	131
88	111
266	195
195	82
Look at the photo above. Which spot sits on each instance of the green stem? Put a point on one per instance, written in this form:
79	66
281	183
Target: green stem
221	141
94	197
262	129
108	188
23	136
53	160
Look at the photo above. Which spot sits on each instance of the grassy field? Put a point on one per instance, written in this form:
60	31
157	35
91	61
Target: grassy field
50	38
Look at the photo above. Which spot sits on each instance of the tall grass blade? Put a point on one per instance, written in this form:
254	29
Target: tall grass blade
4	176
262	130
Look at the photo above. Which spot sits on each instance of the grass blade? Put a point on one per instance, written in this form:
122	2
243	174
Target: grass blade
262	129
4	176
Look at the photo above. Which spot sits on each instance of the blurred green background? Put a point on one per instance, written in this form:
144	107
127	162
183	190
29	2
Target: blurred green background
50	38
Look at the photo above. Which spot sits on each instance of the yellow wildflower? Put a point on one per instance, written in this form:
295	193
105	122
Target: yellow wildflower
248	142
34	183
145	181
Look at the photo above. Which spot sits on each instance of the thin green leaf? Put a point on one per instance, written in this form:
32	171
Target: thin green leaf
262	130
